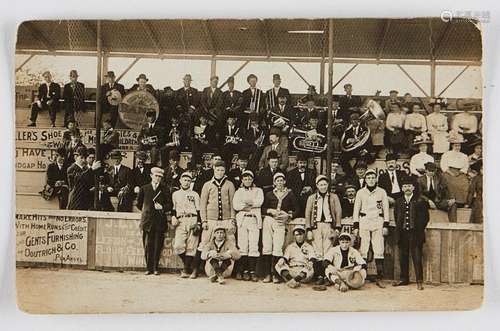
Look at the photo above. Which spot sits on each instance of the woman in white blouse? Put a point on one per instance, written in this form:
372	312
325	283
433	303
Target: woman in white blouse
437	126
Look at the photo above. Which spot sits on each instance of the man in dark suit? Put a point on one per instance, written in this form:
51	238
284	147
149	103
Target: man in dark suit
211	103
358	179
109	93
434	189
275	92
110	139
352	136
153	201
231	136
301	180
187	98
142	85
231	99
234	174
264	179
152	137
285	112
337	180
390	180
81	180
70	147
348	104
173	172
167	107
411	214
48	97
277	145
119	182
140	175
206	172
74	97
253	100
57	178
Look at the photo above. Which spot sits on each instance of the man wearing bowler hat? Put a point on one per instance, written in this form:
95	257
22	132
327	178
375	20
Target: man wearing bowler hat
109	92
153	201
276	92
411	214
142	85
119	182
231	99
74	97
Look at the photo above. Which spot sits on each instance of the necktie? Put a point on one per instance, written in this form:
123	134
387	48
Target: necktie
392	178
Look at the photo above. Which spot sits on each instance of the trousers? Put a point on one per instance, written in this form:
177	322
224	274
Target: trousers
248	235
409	246
370	231
153	246
321	239
273	236
184	239
207	235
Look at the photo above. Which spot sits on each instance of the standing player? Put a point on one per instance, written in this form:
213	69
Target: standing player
280	206
247	201
323	214
187	223
371	221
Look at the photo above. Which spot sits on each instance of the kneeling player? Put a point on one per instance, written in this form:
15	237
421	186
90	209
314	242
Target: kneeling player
344	265
220	253
247	201
297	264
187	222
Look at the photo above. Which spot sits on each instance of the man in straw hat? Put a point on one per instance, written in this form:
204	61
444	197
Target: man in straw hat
418	161
297	264
344	265
371	221
48	97
323	213
186	220
220	254
153	201
280	206
247	202
411	214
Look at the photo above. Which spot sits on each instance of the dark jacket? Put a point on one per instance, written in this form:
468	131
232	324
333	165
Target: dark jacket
264	179
156	131
418	216
55	95
172	178
204	176
272	97
347	207
441	193
140	179
259	101
185	98
212	104
106	107
288	204
80	182
345	103
296	184
120	180
74	99
54	174
236	131
233	102
384	181
152	219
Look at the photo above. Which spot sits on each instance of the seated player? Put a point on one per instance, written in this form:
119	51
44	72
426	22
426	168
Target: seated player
297	265
220	254
187	223
247	202
344	265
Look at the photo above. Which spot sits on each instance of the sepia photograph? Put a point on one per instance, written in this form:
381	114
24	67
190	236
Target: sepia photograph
249	165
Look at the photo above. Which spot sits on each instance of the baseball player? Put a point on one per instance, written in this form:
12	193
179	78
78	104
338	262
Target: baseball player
344	265
220	253
247	202
323	214
216	208
297	263
187	223
371	221
280	206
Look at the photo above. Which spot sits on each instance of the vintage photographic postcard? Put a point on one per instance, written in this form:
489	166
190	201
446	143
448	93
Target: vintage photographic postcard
261	165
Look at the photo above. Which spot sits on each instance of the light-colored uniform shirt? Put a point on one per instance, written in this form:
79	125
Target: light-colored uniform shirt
186	202
373	204
418	161
253	195
299	256
334	255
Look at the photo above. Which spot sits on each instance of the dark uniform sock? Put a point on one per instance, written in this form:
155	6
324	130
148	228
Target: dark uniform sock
252	263
286	275
300	277
243	264
266	262
195	265
318	269
274	260
380	268
188	261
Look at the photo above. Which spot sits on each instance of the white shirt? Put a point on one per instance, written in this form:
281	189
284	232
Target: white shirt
394	181
323	207
430	179
117	169
418	161
456	160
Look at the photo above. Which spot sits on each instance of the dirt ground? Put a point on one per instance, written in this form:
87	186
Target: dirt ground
80	291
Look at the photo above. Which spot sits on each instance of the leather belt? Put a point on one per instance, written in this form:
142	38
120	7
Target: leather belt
249	215
188	215
363	215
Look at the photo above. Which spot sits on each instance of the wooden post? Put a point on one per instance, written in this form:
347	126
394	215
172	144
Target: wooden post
433	79
322	77
98	112
330	98
213	67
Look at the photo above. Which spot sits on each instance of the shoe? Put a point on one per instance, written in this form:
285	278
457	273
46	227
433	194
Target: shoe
194	275
292	283
239	276
147	273
53	125
184	274
32	124
246	276
420	286
254	277
328	282
213	278
320	280
220	280
277	280
157	273
400	283
380	283
267	279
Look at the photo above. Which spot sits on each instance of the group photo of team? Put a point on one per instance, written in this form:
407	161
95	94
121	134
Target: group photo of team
245	178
